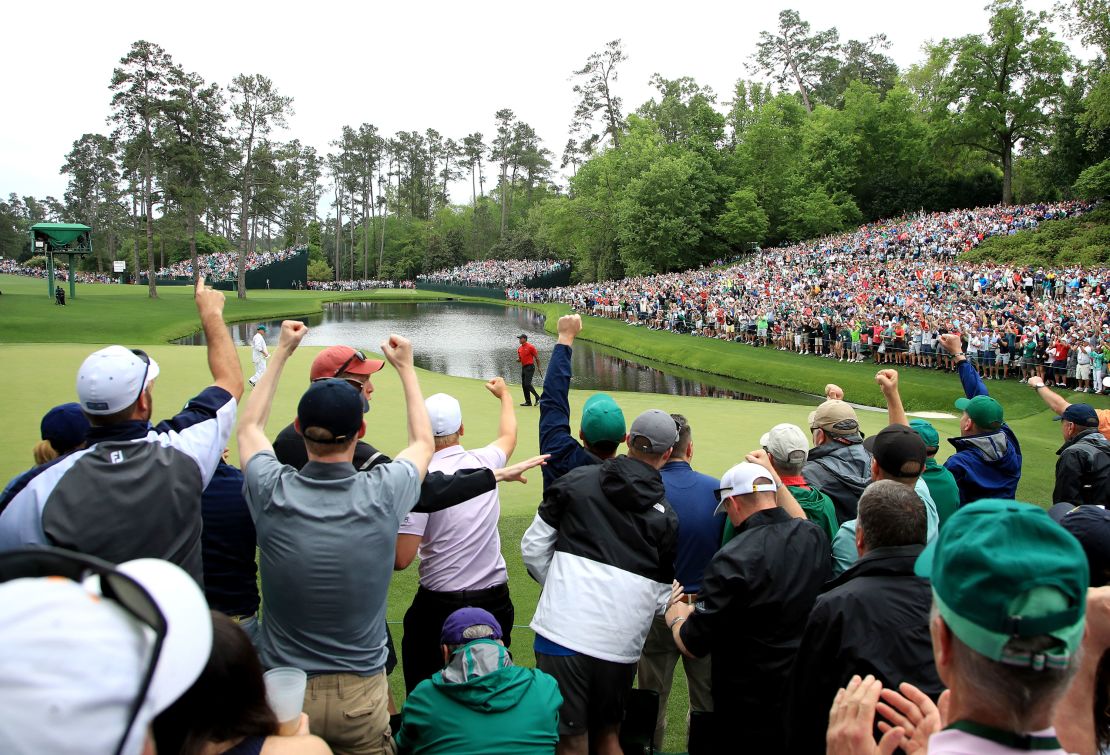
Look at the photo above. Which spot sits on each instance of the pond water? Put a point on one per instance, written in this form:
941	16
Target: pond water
474	340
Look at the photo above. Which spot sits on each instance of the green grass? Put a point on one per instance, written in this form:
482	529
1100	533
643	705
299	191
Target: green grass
41	347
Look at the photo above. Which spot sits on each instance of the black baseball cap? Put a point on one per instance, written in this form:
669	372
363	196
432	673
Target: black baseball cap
1091	527
332	405
898	450
1083	415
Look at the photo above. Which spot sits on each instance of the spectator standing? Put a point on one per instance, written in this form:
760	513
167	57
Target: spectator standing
459	548
692	495
1058	404
1083	469
529	360
606	531
987	461
1010	590
838	464
228	549
872	619
941	483
63	430
602	427
326	535
752	607
259	353
480	702
135	491
786	448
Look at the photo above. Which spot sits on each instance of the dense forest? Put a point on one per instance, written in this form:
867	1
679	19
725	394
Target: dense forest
819	134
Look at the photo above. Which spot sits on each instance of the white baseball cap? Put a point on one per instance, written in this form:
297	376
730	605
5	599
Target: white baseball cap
110	380
445	413
741	480
74	661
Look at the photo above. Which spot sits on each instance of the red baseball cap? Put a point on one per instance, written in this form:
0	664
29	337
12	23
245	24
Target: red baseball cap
336	360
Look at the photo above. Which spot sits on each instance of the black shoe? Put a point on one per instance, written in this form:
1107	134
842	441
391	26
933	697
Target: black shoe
526	404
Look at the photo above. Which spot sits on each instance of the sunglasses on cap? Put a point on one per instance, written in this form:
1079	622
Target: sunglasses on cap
343	367
146	369
128	594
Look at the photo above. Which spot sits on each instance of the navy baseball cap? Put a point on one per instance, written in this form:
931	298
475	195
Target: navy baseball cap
469	624
1083	415
65	426
332	405
1091	527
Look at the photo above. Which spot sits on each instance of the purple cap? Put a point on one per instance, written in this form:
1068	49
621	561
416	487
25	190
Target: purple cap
468	624
65	426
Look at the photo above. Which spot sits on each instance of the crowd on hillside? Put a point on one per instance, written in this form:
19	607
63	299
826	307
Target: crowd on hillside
11	267
823	587
222	266
885	292
493	273
358	285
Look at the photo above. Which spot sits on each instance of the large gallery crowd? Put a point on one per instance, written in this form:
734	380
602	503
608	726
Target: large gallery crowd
493	273
223	266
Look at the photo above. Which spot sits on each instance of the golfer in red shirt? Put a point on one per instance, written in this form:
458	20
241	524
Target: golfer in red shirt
529	360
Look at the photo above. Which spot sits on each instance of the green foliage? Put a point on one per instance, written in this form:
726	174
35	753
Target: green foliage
744	222
319	270
1094	182
1072	241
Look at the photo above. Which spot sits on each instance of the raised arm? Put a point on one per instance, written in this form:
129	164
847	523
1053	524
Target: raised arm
398	351
888	384
252	420
973	384
506	428
223	362
1052	399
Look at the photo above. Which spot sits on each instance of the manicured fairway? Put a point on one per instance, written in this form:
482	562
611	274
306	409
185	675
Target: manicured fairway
41	347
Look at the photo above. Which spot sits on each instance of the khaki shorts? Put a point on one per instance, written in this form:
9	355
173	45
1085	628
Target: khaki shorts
350	713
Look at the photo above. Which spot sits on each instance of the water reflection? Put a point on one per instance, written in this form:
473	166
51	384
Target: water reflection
473	340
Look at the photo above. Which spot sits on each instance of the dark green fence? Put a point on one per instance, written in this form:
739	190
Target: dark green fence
277	275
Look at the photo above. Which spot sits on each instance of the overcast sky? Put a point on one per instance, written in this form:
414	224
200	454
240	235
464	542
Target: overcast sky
400	65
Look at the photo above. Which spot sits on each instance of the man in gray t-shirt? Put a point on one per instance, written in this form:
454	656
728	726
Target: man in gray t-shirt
327	537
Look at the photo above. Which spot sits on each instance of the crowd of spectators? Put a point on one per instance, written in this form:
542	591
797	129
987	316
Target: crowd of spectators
11	267
493	273
358	285
885	292
223	266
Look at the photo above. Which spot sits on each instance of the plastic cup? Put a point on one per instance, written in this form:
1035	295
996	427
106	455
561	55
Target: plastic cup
285	692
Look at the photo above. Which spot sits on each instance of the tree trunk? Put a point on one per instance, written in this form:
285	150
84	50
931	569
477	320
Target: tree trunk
148	189
135	234
1007	170
801	86
367	188
504	198
193	246
244	214
338	232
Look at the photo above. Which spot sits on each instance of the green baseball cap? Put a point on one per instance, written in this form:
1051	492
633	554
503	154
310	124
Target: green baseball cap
984	411
928	433
602	419
1003	570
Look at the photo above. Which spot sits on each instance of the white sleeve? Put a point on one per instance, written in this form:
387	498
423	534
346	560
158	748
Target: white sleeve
537	548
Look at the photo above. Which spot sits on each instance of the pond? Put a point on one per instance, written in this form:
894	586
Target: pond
474	340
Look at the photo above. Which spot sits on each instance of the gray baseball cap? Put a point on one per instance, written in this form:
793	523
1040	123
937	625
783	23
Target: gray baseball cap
654	431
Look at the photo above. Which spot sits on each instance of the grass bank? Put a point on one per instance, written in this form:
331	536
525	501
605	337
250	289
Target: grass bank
1084	240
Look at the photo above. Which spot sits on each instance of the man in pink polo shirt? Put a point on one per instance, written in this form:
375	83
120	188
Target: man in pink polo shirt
459	548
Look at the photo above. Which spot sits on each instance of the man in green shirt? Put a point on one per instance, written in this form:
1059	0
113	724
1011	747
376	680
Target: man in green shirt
788	447
941	483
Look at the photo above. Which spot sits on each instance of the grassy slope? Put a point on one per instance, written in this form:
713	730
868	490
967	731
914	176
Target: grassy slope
38	375
1083	240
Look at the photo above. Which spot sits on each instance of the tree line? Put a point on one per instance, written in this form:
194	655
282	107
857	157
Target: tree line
818	136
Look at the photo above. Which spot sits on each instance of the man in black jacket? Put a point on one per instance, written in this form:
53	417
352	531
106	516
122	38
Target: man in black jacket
872	619
751	611
1083	469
